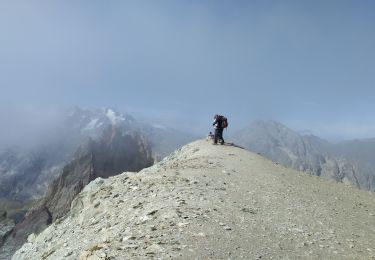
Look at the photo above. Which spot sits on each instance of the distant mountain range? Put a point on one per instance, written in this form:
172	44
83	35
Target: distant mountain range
350	162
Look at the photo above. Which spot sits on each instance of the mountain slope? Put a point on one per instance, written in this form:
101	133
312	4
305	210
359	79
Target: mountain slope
304	153
164	140
361	154
211	202
26	174
113	153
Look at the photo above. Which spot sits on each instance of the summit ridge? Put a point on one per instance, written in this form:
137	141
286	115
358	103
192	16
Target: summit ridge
211	202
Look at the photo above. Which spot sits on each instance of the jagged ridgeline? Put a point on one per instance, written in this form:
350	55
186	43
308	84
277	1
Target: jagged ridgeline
211	202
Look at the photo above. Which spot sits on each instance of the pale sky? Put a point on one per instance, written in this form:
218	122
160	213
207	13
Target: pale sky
309	64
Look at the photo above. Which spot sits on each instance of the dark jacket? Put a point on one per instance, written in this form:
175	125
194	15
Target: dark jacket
218	123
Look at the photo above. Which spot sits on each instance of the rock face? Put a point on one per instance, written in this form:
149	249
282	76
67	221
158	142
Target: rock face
34	222
112	154
211	202
115	152
304	153
6	226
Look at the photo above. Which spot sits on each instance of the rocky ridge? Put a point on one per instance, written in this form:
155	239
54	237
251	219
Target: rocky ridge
110	155
211	202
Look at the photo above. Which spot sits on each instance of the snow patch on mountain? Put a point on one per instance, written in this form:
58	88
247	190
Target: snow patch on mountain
91	125
113	117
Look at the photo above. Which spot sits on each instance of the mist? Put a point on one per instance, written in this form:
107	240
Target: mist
25	127
309	65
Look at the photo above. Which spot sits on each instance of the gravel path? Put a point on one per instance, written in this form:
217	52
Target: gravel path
212	202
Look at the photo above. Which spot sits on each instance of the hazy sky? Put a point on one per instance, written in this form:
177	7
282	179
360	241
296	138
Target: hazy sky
309	64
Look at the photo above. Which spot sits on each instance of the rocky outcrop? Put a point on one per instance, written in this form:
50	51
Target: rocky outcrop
116	151
340	170
34	222
211	202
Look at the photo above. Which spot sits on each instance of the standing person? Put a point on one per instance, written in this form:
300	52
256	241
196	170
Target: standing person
220	122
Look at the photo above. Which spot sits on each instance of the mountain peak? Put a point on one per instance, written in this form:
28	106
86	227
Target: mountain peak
268	123
205	201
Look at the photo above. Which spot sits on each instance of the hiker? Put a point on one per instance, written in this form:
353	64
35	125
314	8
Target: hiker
220	122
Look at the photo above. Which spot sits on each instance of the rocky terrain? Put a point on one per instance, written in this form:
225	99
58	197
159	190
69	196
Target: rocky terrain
86	144
113	153
305	153
6	226
211	202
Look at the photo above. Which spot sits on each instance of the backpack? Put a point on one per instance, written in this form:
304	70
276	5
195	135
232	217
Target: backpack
224	122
